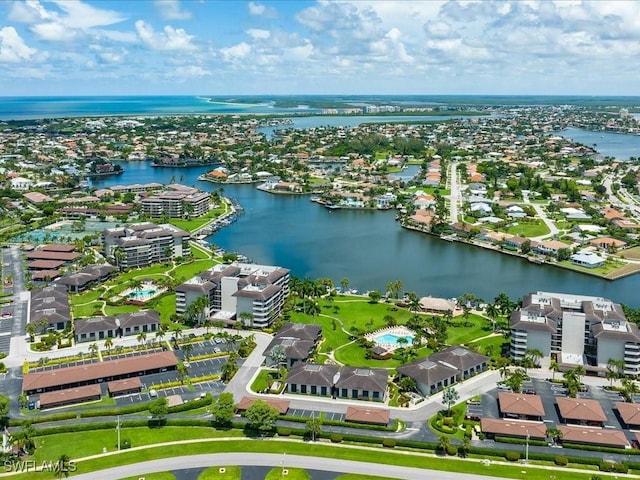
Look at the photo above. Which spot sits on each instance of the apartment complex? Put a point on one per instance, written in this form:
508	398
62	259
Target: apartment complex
578	329
142	244
238	288
177	202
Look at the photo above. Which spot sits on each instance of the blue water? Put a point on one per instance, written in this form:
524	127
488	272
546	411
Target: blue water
143	293
392	339
617	145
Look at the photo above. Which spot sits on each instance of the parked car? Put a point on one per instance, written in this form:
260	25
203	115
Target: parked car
529	391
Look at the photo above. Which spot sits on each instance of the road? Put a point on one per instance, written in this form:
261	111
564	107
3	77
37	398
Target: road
276	460
454	197
553	230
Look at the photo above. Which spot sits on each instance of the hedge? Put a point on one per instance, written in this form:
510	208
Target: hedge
520	441
336	437
452	450
595	448
388	442
337	423
560	460
512	456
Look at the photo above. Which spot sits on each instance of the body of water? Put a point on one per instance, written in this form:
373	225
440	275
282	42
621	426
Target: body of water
370	248
617	145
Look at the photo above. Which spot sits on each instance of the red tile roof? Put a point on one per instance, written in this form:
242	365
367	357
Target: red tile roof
521	404
581	409
376	416
513	428
593	436
281	405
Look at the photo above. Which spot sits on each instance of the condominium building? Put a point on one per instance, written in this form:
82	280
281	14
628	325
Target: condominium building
142	244
578	329
178	202
259	291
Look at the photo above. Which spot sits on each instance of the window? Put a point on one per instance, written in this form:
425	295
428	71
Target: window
376	395
365	393
344	393
303	388
323	390
354	393
314	390
293	387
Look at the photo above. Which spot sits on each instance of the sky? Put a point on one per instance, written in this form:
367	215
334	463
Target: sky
288	47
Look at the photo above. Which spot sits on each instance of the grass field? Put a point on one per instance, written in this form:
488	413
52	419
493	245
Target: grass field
529	229
372	455
292	474
214	473
631	253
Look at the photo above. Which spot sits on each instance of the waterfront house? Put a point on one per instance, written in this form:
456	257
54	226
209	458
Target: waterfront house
436	305
607	244
587	259
550	247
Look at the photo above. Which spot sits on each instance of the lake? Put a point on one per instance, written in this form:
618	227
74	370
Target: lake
370	248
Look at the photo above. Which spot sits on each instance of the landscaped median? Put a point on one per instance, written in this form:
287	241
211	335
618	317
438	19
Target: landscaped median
56	445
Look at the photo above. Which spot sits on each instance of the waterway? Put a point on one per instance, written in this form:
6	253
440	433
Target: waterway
370	248
617	145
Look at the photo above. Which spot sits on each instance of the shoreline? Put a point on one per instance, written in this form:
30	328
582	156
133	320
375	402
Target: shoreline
453	238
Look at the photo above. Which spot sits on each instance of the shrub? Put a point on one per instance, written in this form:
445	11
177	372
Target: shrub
336	437
560	460
447	421
512	456
452	450
388	442
283	431
125	443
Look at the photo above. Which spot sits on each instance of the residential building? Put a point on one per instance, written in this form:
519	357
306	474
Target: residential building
142	244
578	329
101	328
83	279
521	406
49	308
443	369
298	341
338	382
178	202
252	293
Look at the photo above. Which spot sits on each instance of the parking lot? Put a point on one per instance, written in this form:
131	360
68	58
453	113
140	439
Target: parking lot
549	392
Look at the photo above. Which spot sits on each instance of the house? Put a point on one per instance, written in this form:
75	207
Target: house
191	290
436	305
20	183
515	211
587	259
295	350
85	278
279	404
521	406
371	416
607	244
303	331
444	369
477	189
70	396
593	436
49	308
550	247
312	379
126	386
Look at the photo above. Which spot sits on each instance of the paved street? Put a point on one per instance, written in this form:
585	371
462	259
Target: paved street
275	460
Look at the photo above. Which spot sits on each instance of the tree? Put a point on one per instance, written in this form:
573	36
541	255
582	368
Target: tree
615	369
492	312
108	344
31	329
93	349
159	408
516	379
375	296
463	451
247	319
629	389
414	302
407	384
224	408
313	427
187	349
389	321
554	366
344	285
443	444
450	397
535	355
261	416
142	337
278	355
4	406
182	370
229	369
61	468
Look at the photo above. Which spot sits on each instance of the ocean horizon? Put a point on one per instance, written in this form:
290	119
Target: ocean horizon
43	107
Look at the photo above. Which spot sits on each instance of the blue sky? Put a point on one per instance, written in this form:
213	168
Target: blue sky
209	47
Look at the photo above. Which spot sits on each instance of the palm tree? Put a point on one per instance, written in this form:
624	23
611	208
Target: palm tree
182	371
615	368
492	312
344	285
449	397
554	367
108	343
187	348
414	302
629	389
31	329
177	333
136	284
93	349
160	335
443	443
62	466
535	355
246	318
142	337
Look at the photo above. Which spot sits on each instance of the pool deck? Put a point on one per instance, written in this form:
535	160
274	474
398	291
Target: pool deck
399	331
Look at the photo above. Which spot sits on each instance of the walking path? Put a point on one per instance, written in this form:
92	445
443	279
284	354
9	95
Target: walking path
553	230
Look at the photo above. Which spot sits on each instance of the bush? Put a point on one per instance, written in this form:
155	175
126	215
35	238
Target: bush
283	431
561	461
613	467
512	456
388	442
447	421
452	450
125	443
336	437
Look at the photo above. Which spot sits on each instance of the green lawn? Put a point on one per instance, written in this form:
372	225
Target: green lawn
608	268
533	229
464	330
154	476
292	474
166	306
214	473
261	383
188	270
491	345
86	297
375	455
195	223
81	444
87	310
118	309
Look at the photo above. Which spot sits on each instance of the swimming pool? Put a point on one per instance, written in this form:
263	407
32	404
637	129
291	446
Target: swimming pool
142	293
392	338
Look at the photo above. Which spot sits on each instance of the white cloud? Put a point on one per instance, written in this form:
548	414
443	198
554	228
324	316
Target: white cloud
190	71
256	33
235	52
12	47
53	32
260	10
170	39
172	10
